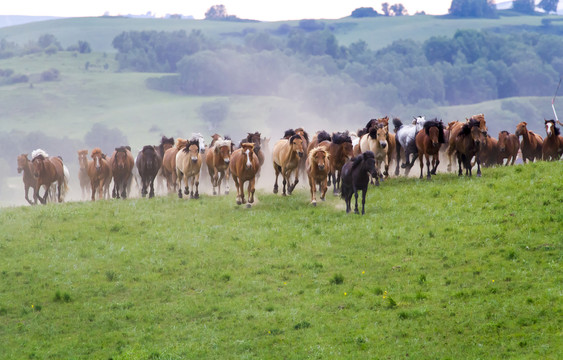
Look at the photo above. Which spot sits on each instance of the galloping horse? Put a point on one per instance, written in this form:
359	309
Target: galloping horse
531	144
355	176
148	163
48	170
169	164
256	139
428	143
376	141
467	145
244	166
551	148
99	173
305	141
453	131
341	150
318	168
29	180
217	158
83	172
286	157
405	139
489	153
188	166
508	145
122	163
165	144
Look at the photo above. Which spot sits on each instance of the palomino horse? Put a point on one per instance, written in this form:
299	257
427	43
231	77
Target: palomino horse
391	143
355	176
188	166
169	164
48	170
405	139
551	148
453	130
29	181
305	141
428	143
122	163
508	145
286	157
148	163
217	158
99	173
531	144
467	144
244	166
376	141
83	177
318	168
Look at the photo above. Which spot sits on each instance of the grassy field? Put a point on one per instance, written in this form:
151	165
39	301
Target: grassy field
452	268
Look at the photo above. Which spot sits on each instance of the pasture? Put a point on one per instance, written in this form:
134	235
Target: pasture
450	268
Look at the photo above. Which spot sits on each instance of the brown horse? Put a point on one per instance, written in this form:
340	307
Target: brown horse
489	152
256	139
48	170
531	144
165	144
169	164
122	163
341	150
467	144
305	141
551	148
244	166
29	181
428	141
286	157
454	128
318	168
148	163
508	145
83	172
188	166
217	158
99	173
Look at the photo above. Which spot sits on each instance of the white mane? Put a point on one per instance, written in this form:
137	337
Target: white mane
35	153
222	142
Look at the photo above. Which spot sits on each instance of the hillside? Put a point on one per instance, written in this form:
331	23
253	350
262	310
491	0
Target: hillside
451	268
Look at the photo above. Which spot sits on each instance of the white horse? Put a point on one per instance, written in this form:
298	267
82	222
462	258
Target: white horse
405	138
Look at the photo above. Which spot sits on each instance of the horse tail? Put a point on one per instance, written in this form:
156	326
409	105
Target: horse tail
65	187
397	123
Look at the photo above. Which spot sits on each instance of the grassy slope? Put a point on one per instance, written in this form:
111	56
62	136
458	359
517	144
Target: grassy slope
473	268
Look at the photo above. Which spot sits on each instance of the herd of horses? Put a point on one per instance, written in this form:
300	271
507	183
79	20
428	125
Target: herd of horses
349	161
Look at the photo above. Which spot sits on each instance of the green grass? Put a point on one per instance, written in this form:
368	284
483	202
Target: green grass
451	268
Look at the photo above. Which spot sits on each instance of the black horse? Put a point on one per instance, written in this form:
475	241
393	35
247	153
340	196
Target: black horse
355	176
148	164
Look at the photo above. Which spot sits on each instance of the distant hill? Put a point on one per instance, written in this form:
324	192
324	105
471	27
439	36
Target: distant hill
13	20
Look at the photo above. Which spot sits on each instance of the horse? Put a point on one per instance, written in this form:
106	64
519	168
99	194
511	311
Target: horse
48	170
453	130
375	140
508	145
169	164
217	158
531	144
122	163
83	177
355	176
341	150
467	145
428	143
99	173
256	139
165	144
29	180
318	138
405	139
489	153
244	166
305	141
286	157
551	148
148	163
188	166
318	168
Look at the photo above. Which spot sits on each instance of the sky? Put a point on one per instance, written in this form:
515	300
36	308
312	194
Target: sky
264	10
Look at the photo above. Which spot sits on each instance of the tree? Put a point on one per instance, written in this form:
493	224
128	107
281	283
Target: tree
214	113
548	5
398	10
524	6
385	9
105	138
364	12
473	8
440	48
216	12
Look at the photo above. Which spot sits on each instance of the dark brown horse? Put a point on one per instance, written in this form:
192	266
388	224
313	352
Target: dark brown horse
341	151
318	168
29	181
355	177
455	127
428	141
244	166
467	144
121	163
508	145
148	163
551	148
531	144
48	170
217	158
99	173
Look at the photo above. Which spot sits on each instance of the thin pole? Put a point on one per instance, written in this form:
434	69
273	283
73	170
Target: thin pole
553	102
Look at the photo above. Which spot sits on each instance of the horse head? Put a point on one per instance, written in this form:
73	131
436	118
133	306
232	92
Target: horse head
223	150
22	162
120	159
550	128
434	129
418	122
320	157
96	156
296	145
150	156
521	128
502	139
192	148
248	151
368	163
38	163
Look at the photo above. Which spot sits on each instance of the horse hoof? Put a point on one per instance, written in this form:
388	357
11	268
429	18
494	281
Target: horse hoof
275	190
248	206
428	177
227	192
478	174
239	202
214	192
314	203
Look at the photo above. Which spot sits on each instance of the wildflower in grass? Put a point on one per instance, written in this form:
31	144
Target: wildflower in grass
493	280
363	272
385	294
345	294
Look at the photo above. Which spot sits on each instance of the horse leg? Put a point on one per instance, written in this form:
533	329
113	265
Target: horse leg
196	180
277	170
313	188
398	150
478	160
324	188
364	192
421	161
227	175
459	158
251	190
428	177
27	194
215	182
284	183
44	198
290	186
151	193
356	200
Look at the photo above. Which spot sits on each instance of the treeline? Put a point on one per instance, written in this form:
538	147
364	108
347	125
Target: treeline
469	67
46	43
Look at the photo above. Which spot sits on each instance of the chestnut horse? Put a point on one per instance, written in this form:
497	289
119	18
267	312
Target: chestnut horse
122	163
165	144
48	170
188	166
99	173
286	157
489	153
467	144
355	177
531	144
256	139
244	166
83	177
454	129
148	163
341	150
551	148
169	164
318	168
217	158
508	145
29	181
428	142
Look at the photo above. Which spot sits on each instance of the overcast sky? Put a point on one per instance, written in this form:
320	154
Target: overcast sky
265	10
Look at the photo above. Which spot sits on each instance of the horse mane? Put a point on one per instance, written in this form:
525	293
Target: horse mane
370	123
466	128
373	133
439	124
123	149
37	153
96	151
148	147
323	136
555	128
305	135
293	138
83	152
397	123
505	132
223	142
166	140
193	141
181	143
341	137
315	151
288	133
